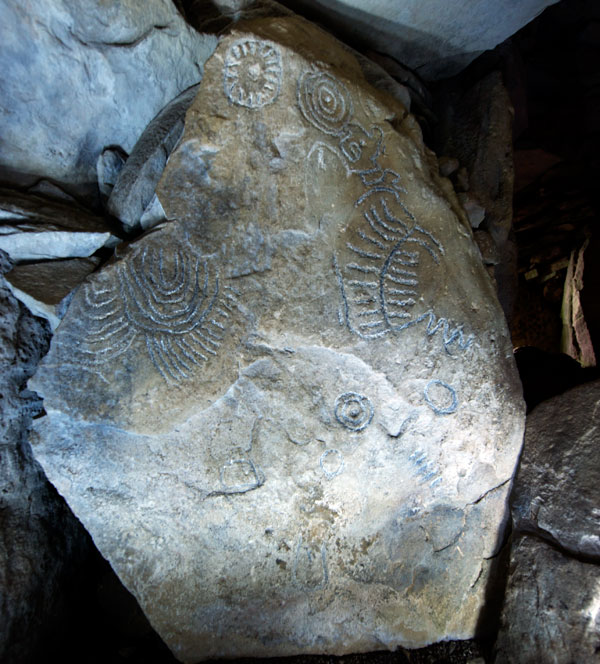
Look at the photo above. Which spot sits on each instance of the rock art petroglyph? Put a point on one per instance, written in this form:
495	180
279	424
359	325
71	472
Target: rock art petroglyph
289	415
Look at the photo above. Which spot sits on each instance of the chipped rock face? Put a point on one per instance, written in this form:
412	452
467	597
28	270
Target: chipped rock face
290	417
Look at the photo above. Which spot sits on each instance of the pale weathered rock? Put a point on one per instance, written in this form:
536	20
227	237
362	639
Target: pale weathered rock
474	211
557	489
24	243
42	287
134	188
290	417
40	540
79	76
551	613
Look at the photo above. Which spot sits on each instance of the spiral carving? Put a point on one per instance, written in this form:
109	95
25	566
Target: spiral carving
324	102
167	294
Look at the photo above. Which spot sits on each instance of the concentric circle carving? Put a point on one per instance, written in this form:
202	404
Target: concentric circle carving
353	410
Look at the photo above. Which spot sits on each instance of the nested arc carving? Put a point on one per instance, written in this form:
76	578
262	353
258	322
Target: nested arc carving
380	270
380	278
169	297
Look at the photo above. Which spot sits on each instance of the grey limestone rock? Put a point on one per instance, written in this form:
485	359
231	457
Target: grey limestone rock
551	613
109	165
79	75
290	417
476	128
134	188
479	133
557	488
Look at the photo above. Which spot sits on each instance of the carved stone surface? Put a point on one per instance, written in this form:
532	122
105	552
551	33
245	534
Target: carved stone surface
433	37
290	417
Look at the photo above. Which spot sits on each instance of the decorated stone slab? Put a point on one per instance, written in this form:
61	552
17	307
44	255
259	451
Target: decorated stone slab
290	416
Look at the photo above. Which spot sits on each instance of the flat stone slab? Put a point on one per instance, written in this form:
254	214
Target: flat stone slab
35	228
290	417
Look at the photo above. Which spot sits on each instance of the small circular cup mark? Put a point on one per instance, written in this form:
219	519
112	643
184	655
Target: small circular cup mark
332	463
440	397
353	410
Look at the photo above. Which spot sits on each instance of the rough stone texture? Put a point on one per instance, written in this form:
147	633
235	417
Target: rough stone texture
434	37
479	133
139	176
476	128
551	613
117	63
110	163
39	537
557	489
36	228
218	15
42	287
290	417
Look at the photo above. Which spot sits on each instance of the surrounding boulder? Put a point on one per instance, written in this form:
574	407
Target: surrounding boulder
551	611
552	608
290	417
78	76
557	488
40	540
477	130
